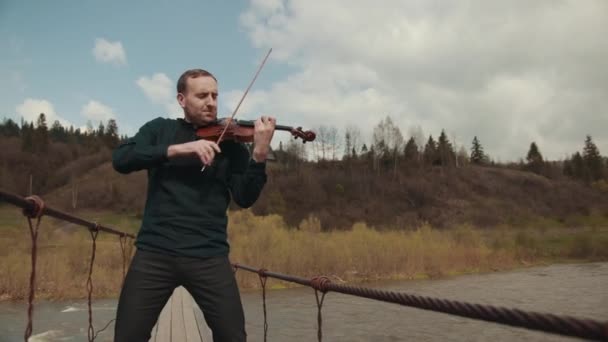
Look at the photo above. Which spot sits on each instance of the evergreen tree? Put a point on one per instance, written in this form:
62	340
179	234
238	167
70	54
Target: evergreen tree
445	151
111	134
534	159
57	132
430	151
41	135
578	166
568	169
477	155
9	128
27	137
593	160
101	131
410	152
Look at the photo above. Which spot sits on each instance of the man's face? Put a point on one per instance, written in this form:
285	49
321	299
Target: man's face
199	100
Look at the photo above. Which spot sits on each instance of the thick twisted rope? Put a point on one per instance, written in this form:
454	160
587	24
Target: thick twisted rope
28	205
546	322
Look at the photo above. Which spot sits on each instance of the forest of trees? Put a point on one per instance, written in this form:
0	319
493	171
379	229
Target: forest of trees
36	137
389	151
413	178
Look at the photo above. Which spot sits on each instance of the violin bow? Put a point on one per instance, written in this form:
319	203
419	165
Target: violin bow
242	98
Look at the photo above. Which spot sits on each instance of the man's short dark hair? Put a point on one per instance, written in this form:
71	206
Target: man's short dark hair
192	73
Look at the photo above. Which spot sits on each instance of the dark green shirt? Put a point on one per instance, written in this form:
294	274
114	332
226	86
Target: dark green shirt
186	209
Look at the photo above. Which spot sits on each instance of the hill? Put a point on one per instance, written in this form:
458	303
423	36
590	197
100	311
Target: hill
338	196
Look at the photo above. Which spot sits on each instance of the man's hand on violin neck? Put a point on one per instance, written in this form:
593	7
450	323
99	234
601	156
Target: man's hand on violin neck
262	135
205	150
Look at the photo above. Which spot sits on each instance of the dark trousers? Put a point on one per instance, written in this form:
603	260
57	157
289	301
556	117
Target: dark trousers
150	281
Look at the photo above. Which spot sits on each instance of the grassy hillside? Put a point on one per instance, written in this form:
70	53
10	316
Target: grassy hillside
339	196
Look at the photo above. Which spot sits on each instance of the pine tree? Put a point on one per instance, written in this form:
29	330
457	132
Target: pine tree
445	151
579	169
27	137
593	160
101	131
9	128
568	168
111	134
430	151
41	135
57	132
534	159
477	155
410	152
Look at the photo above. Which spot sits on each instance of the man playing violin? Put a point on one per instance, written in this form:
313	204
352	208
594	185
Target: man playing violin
182	240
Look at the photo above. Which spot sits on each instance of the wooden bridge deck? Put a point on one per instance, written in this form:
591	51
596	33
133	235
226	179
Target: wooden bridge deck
181	321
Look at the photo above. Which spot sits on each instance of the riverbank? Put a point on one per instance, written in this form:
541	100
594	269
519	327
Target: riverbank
357	255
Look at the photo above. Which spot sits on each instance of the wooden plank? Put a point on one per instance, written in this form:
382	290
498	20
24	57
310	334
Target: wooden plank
154	333
178	327
163	325
206	334
193	331
181	320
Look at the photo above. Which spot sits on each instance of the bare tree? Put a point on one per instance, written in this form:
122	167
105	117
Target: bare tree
333	140
327	143
321	142
389	141
388	134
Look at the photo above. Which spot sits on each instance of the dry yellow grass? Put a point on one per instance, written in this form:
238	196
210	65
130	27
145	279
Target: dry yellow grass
359	254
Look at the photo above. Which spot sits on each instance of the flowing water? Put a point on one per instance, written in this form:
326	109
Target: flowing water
580	290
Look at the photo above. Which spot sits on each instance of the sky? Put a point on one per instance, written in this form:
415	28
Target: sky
508	72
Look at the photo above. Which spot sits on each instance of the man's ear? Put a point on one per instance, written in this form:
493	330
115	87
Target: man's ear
181	99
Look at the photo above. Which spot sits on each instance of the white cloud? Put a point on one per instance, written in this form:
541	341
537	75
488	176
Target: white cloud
96	112
31	109
159	89
109	52
508	72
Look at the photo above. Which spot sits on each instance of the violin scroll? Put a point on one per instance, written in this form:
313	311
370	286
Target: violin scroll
304	135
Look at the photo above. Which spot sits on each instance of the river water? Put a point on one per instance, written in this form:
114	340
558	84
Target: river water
580	290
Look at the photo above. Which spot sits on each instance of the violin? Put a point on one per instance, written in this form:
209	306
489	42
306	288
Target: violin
242	131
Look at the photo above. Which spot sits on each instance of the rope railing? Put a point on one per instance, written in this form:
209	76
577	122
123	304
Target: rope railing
546	322
34	207
29	205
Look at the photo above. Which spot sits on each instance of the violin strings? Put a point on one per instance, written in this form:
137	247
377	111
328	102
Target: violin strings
241	101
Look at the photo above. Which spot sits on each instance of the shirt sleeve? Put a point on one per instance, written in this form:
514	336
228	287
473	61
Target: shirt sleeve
247	178
141	151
